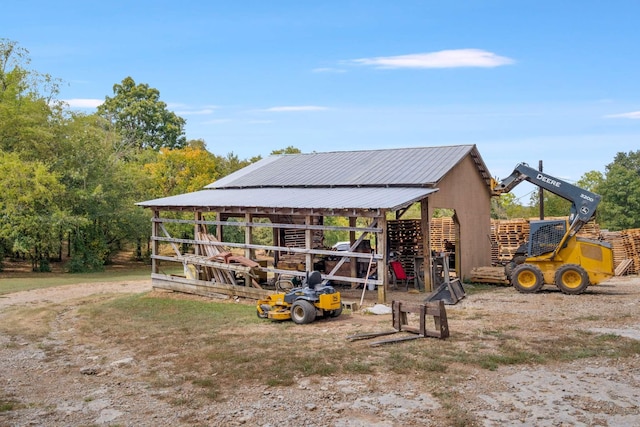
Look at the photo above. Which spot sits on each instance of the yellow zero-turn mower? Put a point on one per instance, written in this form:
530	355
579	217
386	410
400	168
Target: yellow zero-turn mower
302	304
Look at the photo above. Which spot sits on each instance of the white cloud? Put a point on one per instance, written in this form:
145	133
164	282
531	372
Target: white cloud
83	103
329	70
217	121
296	108
441	59
260	122
631	115
203	112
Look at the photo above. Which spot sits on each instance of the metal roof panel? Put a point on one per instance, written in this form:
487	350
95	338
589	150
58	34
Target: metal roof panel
295	198
419	166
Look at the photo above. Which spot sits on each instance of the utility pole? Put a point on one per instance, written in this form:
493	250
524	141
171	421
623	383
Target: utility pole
541	193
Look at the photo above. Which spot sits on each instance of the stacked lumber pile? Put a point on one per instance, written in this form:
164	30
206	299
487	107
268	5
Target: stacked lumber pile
617	244
590	230
495	275
221	270
506	237
405	241
296	238
631	243
441	229
626	250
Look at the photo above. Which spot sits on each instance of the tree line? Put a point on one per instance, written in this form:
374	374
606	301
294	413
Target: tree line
69	181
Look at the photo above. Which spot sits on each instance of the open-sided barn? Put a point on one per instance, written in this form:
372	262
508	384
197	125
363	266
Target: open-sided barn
293	194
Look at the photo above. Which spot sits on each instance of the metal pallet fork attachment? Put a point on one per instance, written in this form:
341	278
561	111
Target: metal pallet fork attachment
400	323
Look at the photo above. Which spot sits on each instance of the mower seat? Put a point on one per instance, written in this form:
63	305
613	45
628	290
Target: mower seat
314	279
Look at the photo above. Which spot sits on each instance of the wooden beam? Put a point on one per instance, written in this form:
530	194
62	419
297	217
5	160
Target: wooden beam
276	248
207	289
275	225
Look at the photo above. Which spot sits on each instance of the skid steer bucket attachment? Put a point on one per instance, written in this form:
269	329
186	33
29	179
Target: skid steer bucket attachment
450	292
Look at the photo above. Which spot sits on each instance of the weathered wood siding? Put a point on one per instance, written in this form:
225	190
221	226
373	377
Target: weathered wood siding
464	190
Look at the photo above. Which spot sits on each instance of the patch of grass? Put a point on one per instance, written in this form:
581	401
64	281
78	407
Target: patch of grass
226	344
32	323
515	357
358	367
209	385
7	404
591	317
455	416
471	288
29	281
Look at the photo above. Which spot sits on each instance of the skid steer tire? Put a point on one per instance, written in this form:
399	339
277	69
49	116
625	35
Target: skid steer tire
303	312
571	279
527	278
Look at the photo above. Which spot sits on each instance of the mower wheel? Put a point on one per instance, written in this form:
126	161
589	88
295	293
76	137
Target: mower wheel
337	312
302	312
262	315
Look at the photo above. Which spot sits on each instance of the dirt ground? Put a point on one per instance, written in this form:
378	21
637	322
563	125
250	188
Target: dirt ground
50	381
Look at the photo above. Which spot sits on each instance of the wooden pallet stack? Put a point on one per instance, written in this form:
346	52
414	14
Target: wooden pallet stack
506	237
631	244
616	240
442	229
296	238
405	241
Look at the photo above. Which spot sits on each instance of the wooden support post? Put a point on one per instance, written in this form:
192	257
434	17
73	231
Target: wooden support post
219	228
381	249
155	243
425	225
248	240
353	262
308	243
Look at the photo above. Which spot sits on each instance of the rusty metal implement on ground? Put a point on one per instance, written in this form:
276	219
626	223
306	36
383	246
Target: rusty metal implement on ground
400	310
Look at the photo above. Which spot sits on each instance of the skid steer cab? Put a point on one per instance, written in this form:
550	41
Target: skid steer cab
303	304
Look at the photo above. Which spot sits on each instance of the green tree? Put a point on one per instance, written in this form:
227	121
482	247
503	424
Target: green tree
29	202
620	191
591	181
29	117
182	170
101	191
289	150
554	205
231	163
506	206
141	118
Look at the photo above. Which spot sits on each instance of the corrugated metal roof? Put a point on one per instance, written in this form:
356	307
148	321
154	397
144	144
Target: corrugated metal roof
420	166
295	198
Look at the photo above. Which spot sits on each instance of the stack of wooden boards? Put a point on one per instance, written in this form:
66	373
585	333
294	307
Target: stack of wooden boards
626	250
494	275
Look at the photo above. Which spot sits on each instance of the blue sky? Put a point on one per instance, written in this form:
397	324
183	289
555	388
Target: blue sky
524	80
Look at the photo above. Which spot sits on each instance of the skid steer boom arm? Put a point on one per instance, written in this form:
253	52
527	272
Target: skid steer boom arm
583	202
